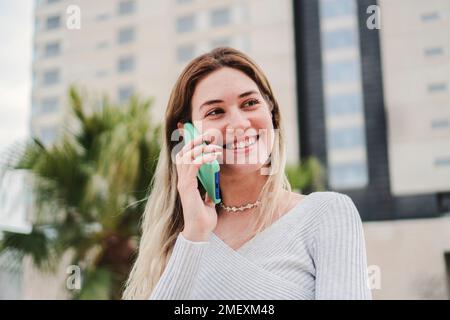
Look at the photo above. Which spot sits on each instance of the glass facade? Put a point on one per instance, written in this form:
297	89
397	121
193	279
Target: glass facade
126	7
53	22
220	17
126	64
185	53
125	35
185	24
343	95
124	93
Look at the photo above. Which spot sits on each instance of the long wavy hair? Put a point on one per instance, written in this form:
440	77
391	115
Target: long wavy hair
163	215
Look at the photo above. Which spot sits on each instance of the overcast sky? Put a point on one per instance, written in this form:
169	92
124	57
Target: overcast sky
16	27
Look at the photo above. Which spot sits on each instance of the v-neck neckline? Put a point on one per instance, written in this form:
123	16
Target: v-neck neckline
266	230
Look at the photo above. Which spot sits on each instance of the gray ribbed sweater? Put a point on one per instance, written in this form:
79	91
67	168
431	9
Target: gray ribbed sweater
314	251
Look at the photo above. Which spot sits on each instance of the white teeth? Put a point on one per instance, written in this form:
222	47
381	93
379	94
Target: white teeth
243	144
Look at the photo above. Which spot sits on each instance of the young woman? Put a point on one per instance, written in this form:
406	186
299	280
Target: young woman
274	243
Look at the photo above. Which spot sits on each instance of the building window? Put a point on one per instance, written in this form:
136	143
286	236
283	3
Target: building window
344	138
339	38
348	175
434	51
49	105
48	135
102	17
440	124
36	52
125	35
126	7
51	77
34	107
185	53
341	71
336	8
430	16
53	22
40	3
37	25
440	162
126	64
220	17
221	42
437	87
125	93
52	49
102	44
185	24
34	79
343	104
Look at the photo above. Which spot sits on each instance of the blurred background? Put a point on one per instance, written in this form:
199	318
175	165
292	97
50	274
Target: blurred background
363	87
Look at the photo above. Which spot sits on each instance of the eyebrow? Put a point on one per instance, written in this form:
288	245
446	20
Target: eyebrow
242	95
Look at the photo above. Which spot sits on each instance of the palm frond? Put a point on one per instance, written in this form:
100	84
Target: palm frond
89	190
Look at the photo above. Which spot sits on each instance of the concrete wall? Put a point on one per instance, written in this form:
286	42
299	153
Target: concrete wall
410	255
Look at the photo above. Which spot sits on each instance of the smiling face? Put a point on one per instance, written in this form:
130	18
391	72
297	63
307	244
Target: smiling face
229	105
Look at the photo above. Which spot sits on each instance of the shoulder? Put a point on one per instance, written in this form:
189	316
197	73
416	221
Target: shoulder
334	208
331	198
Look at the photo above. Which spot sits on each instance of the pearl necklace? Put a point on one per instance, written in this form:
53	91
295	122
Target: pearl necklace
240	208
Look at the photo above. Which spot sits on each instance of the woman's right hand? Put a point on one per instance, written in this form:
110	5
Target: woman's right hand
200	216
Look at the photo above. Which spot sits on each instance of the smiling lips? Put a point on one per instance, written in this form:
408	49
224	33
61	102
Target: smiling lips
247	142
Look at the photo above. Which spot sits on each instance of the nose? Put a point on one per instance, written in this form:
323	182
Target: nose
238	120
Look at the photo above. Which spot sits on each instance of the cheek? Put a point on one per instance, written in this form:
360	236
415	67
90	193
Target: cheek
263	118
270	134
216	130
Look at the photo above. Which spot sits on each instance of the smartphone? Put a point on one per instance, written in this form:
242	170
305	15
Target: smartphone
208	174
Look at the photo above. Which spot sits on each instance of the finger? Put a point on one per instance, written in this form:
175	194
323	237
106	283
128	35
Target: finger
194	153
197	141
205	158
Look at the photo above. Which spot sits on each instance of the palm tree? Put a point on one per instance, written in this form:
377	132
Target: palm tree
89	191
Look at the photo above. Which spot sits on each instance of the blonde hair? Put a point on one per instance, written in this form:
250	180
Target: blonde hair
163	215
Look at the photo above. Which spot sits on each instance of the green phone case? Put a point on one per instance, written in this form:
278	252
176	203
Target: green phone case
208	173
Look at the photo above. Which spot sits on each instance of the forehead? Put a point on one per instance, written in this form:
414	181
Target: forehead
222	84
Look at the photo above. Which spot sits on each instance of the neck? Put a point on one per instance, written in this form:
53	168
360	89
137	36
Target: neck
239	189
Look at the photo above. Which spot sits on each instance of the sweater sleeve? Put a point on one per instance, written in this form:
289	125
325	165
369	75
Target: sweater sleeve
340	253
178	278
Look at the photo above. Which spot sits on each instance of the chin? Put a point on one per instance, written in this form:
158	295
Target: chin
241	168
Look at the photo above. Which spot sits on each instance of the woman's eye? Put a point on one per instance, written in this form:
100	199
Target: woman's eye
212	113
251	102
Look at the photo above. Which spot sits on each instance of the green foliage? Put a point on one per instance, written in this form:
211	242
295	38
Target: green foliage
96	285
306	176
86	190
34	244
